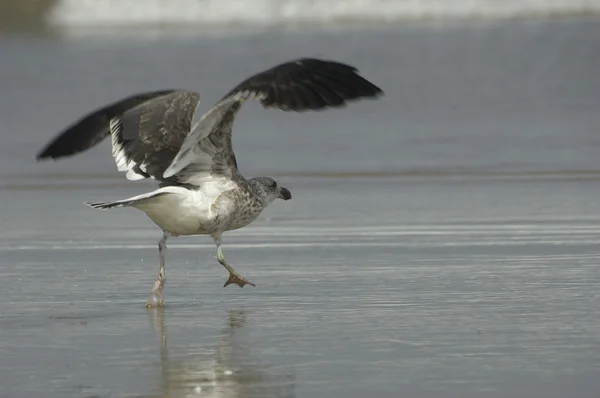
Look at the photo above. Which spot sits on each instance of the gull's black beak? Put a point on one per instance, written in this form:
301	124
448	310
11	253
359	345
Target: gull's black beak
284	194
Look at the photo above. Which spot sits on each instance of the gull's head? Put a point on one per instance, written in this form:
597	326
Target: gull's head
269	189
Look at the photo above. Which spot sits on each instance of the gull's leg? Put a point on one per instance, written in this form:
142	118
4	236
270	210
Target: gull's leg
156	299
234	277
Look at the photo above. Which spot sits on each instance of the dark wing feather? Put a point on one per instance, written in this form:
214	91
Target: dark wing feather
300	85
151	134
146	131
92	128
307	84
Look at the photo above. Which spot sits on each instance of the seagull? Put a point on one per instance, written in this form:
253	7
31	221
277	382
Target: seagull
161	135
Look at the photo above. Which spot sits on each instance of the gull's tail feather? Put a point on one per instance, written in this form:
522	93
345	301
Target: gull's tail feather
139	199
111	205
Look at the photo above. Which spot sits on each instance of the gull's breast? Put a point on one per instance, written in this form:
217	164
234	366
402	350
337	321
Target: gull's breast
180	214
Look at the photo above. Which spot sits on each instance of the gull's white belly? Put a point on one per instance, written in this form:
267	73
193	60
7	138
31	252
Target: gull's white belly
180	213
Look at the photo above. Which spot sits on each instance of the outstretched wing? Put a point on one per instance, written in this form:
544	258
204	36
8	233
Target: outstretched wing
146	132
299	85
145	139
93	128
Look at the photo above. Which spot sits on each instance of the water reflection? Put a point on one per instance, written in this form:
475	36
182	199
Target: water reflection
229	370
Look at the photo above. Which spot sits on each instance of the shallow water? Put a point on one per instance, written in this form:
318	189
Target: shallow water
465	265
453	288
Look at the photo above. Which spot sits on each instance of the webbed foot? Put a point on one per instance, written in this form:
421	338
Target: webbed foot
235	278
155	301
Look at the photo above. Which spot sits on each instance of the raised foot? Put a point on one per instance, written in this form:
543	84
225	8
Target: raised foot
238	280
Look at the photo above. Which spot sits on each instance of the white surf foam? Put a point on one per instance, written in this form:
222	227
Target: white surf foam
296	12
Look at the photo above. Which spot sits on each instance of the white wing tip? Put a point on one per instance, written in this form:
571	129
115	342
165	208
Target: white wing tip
133	176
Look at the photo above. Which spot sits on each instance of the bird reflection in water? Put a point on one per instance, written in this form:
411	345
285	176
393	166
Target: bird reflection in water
225	372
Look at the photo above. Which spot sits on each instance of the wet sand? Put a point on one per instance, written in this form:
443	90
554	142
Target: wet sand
422	286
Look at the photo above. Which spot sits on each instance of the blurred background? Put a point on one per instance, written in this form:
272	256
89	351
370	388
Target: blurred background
442	241
472	85
69	14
